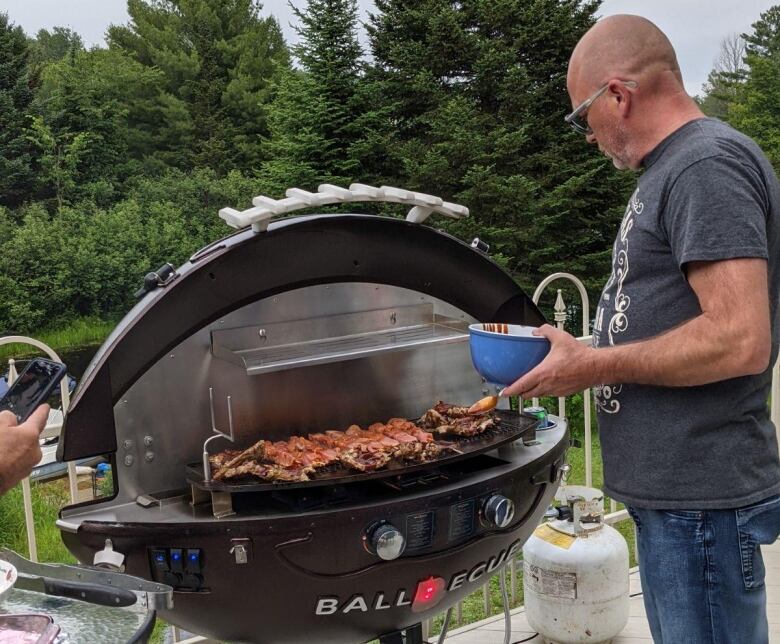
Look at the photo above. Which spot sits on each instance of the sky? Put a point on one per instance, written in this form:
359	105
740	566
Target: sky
695	27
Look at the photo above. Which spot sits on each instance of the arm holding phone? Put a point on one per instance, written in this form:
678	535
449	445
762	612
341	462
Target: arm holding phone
19	447
23	417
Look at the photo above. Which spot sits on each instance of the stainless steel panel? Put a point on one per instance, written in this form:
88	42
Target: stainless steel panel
170	403
321	340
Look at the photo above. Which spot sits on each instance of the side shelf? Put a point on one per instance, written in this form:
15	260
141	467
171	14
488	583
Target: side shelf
301	343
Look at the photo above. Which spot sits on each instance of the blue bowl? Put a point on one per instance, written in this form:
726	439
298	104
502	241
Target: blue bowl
502	358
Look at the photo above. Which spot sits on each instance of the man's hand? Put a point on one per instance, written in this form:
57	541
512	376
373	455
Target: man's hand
20	450
568	368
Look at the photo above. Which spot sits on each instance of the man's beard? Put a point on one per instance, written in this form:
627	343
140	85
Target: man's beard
618	150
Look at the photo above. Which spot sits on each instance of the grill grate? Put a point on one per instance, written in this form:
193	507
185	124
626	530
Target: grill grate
511	426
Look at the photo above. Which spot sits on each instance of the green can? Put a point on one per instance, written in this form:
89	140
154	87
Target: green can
540	413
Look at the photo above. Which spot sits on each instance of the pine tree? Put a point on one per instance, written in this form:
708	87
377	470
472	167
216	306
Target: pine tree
755	108
16	95
764	40
477	96
318	119
218	59
297	147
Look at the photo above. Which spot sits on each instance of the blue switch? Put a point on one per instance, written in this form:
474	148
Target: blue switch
194	563
177	561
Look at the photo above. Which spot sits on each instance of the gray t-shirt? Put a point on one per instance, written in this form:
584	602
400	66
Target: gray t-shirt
708	193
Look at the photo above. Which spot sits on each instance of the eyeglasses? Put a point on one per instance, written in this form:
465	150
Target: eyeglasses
578	119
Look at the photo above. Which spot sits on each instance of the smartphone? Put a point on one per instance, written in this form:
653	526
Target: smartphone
32	387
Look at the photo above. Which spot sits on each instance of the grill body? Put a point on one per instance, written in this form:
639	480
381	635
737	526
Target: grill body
316	324
298	558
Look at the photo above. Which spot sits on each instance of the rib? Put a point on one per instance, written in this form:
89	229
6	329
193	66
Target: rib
253	453
355	448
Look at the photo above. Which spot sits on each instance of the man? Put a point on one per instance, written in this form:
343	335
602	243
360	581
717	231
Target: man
685	334
19	447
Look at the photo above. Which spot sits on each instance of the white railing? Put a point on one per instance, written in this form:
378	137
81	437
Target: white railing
560	322
53	427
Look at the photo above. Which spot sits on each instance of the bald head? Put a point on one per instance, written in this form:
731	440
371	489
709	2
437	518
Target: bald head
626	47
628	68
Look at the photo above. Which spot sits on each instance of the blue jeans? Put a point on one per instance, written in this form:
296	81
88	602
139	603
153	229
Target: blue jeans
702	572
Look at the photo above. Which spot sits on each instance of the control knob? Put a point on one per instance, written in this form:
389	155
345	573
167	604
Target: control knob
499	511
385	541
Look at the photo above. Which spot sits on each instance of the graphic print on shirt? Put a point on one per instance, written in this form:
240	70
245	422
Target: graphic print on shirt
615	306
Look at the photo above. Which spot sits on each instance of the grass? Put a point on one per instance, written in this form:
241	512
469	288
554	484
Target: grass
82	332
47	499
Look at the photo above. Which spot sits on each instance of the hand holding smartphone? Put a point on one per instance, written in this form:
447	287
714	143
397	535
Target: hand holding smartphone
32	387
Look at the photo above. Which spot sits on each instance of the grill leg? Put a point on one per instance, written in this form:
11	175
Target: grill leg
412	635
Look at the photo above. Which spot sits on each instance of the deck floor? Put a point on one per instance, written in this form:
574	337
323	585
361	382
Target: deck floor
491	630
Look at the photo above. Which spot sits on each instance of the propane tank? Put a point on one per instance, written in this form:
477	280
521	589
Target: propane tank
575	573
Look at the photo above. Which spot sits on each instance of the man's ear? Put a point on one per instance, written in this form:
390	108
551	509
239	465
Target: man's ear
621	94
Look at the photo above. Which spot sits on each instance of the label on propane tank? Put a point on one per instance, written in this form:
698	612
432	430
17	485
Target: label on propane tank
550	582
560	539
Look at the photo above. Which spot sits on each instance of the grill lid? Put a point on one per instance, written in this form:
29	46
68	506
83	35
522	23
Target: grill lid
292	253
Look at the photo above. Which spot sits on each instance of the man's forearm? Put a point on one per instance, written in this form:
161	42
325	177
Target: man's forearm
698	352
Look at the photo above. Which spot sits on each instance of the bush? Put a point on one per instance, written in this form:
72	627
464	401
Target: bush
87	261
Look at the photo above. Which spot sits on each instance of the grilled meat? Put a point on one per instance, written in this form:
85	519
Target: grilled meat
452	419
267	472
432	419
363	450
364	461
218	460
467	426
451	411
253	453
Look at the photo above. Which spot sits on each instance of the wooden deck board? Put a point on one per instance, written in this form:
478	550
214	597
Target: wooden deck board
491	630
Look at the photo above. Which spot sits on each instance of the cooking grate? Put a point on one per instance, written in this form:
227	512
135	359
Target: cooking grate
511	426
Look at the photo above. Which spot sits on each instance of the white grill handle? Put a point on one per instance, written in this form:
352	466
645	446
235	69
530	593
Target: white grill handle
265	208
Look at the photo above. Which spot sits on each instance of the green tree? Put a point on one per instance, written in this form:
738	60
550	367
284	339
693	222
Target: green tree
477	94
48	46
755	109
16	95
726	78
318	121
198	195
329	50
764	40
218	59
298	151
100	113
60	157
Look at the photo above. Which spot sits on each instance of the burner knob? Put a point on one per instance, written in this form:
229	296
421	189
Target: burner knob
387	542
499	511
